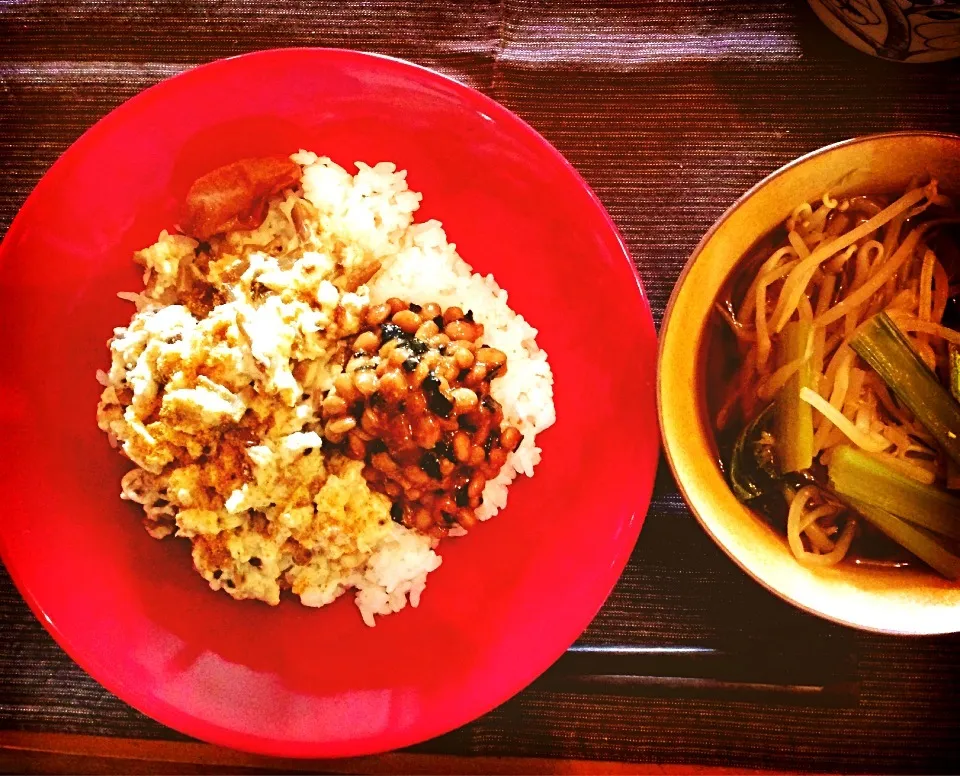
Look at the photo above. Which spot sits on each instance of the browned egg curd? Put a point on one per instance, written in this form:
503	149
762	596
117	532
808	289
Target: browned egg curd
414	404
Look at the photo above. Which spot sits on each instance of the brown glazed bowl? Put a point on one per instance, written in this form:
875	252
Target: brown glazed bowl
897	601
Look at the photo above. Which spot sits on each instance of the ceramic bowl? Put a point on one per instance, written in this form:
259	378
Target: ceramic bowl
895	30
904	601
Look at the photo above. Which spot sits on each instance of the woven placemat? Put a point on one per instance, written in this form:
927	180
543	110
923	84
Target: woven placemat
670	110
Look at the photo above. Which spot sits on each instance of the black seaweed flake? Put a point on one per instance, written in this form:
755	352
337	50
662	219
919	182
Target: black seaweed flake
490	403
492	438
431	465
444	449
390	331
439	404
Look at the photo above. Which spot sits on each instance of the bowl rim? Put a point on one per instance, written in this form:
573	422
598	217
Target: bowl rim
189	724
682	486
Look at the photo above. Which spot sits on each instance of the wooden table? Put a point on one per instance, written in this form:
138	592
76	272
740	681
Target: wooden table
670	110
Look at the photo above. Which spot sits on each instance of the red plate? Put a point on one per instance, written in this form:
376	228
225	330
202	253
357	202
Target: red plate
508	599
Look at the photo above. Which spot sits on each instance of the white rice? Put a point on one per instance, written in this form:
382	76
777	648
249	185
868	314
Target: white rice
376	209
421	266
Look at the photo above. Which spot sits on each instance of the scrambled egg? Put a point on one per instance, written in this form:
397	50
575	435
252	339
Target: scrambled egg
214	392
